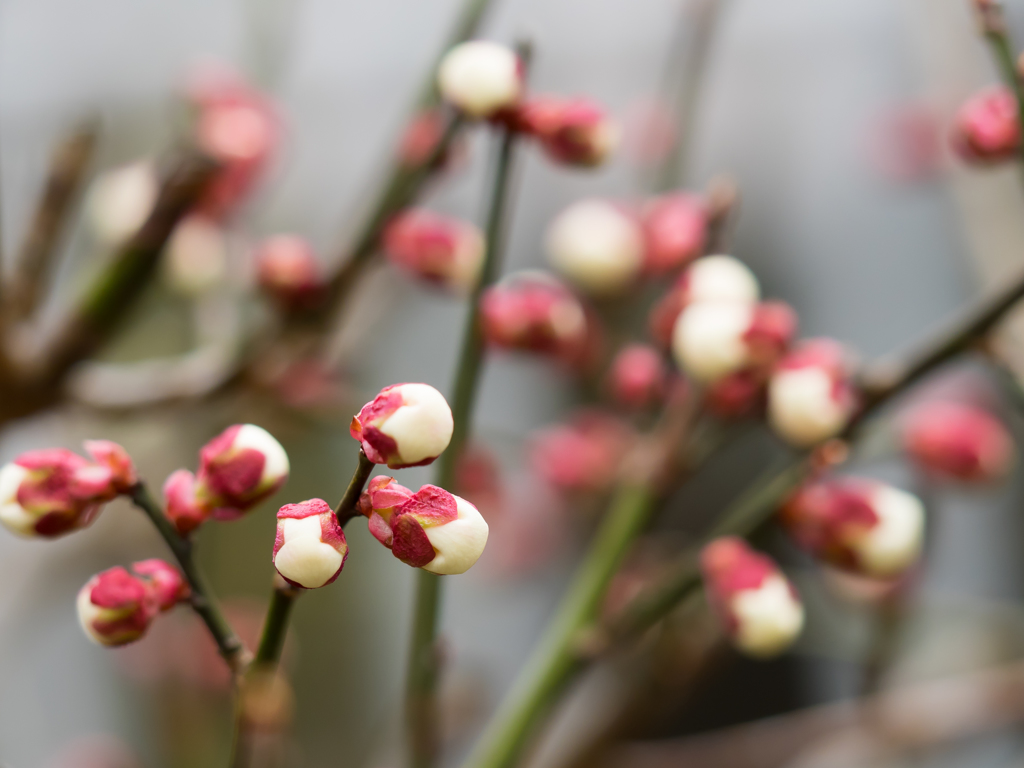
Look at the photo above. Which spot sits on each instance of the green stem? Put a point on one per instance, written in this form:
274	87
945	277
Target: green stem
423	658
228	643
275	626
348	506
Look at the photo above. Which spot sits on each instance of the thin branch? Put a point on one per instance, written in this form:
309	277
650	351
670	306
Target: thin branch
993	26
348	506
275	626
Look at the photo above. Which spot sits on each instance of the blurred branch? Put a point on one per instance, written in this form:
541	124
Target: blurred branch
993	27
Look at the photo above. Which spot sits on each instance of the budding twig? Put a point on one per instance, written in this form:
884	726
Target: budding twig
347	507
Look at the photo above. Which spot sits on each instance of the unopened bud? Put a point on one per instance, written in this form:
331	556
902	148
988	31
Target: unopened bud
958	441
430	529
571	131
638	376
583	455
858	524
676	229
810	397
421	138
480	78
596	245
987	127
182	503
164	582
737	395
439	249
239	468
289	271
310	548
406	425
196	258
121	200
757	605
115	458
116	607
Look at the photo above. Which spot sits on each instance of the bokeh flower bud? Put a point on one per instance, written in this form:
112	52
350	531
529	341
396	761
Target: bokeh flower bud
638	377
116	607
810	397
196	258
406	425
182	503
572	131
430	529
757	605
439	249
290	272
480	78
120	201
597	245
958	441
239	468
584	455
310	548
713	339
861	525
115	458
421	137
987	127
675	226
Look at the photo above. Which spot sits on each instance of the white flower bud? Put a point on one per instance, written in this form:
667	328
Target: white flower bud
12	514
810	397
121	200
596	245
720	278
458	544
480	77
196	258
310	548
406	425
708	339
768	618
894	542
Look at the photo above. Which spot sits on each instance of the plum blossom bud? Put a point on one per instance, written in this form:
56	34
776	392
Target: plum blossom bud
987	127
310	548
239	468
406	425
571	131
709	279
196	259
116	607
430	529
810	397
758	606
533	311
858	524
714	339
638	376
115	458
583	455
480	78
182	504
121	200
676	229
737	395
53	491
959	441
439	249
289	271
596	245
421	137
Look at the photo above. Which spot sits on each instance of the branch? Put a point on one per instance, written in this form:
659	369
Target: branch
348	506
993	26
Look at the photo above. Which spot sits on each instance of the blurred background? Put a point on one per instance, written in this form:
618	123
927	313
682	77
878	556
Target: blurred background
832	118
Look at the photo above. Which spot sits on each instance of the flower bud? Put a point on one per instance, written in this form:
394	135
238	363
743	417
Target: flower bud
987	127
583	455
714	339
638	376
310	548
958	441
121	200
115	458
676	229
430	529
182	504
406	425
196	258
116	607
439	249
708	279
810	397
571	131
596	245
758	606
533	311
289	271
422	135
481	78
239	468
53	491
737	395
861	525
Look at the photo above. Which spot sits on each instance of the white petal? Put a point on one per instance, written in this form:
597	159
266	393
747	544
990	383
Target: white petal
479	77
458	544
595	245
422	427
12	514
895	542
722	278
801	406
304	558
769	618
275	464
707	341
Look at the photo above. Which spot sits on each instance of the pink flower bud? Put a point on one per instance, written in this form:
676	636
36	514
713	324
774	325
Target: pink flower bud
165	582
239	468
310	549
676	229
532	311
430	529
737	395
406	425
810	397
289	271
116	607
480	78
708	279
439	249
597	245
714	339
572	131
638	376
758	606
583	455
182	504
120	201
421	137
987	127
111	455
861	525
53	491
958	441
